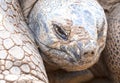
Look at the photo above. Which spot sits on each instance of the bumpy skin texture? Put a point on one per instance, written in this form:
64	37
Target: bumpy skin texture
111	54
20	60
112	49
70	34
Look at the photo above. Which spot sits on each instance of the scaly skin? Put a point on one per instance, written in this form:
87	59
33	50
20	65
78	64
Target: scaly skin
70	34
20	60
112	49
111	54
43	19
31	77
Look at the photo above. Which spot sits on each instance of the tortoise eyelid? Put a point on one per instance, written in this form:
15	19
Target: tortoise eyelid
60	31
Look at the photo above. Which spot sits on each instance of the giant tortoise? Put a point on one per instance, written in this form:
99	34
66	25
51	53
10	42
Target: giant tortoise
68	35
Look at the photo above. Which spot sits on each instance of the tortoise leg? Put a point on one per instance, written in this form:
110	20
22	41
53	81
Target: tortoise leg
19	58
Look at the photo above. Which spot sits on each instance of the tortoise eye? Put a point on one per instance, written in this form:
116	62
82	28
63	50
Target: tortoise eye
60	32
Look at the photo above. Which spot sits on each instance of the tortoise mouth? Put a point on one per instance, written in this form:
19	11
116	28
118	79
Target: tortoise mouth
64	60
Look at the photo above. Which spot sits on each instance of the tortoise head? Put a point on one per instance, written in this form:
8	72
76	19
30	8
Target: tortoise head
71	34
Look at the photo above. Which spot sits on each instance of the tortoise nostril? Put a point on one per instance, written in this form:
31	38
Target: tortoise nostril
92	52
89	54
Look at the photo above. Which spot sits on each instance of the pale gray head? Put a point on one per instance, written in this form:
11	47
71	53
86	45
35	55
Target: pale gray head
71	33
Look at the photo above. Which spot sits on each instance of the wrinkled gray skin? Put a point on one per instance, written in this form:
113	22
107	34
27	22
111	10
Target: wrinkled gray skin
70	35
63	76
109	57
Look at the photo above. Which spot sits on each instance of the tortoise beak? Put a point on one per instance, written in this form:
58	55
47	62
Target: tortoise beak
74	52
